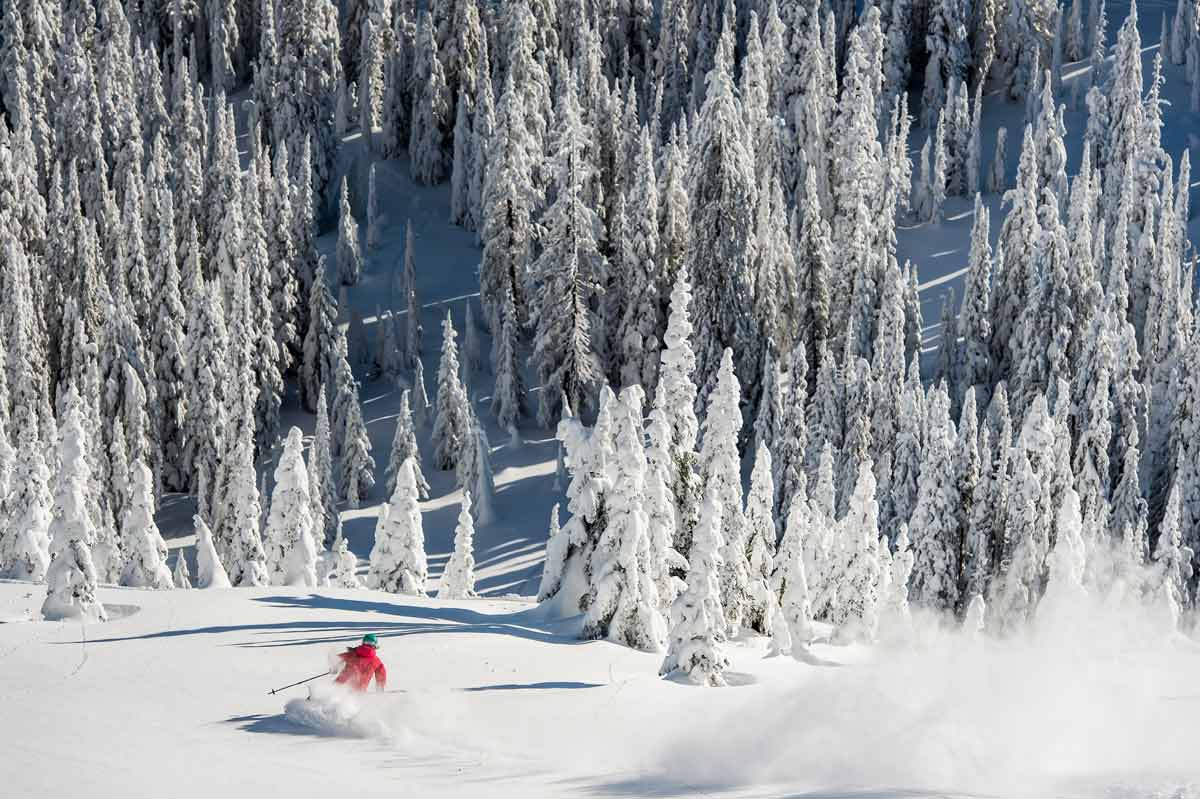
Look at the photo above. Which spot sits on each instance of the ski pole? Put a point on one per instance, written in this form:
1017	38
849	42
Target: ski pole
293	685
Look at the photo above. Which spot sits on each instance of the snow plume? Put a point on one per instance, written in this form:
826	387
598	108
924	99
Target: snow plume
333	710
1083	706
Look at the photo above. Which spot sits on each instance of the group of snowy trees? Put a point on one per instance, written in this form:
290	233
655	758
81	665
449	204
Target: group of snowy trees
636	527
761	150
159	280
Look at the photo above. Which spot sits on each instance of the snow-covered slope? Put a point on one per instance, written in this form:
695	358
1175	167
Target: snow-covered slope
485	699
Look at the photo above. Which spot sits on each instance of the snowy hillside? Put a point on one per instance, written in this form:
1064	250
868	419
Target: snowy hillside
484	696
738	398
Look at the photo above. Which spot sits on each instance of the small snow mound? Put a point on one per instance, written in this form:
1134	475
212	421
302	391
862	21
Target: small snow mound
333	711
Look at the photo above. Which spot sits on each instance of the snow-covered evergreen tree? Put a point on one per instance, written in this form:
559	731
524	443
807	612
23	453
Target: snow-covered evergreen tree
320	351
458	580
675	401
349	251
291	553
71	579
695	643
508	396
721	471
789	580
996	181
474	470
895	618
724	196
246	558
640	326
508	201
352	445
181	576
205	356
934	520
451	424
1014	593
210	573
145	551
790	454
398	558
567	273
404	446
973	366
856	562
760	540
431	115
321	488
345	566
1064	584
622	603
25	544
1173	567
556	559
374	215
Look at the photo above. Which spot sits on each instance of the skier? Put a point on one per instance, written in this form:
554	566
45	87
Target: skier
363	663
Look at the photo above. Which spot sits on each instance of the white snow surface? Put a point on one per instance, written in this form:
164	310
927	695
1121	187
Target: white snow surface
485	698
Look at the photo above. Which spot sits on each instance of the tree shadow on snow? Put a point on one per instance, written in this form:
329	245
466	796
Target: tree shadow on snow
522	624
274	725
806	656
534	686
656	786
395	620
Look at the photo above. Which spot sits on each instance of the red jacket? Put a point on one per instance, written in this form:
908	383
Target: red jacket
362	663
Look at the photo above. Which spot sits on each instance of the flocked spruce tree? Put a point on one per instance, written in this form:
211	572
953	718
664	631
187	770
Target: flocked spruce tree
789	579
321	488
210	572
895	616
567	273
451	424
345	566
289	536
760	540
398	561
25	545
724	196
622	603
474	470
856	610
675	401
320	352
181	576
404	446
431	116
349	251
246	558
205	357
695	644
352	445
145	551
557	548
71	579
508	395
458	580
374	215
721	471
934	525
